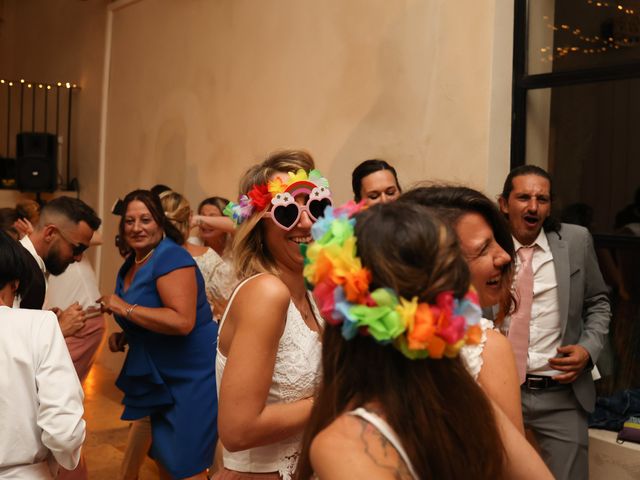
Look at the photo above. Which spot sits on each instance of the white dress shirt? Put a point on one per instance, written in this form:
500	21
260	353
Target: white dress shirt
28	244
545	328
40	397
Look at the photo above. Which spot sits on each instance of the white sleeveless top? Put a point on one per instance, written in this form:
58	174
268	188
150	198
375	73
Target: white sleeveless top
472	354
386	431
218	276
296	375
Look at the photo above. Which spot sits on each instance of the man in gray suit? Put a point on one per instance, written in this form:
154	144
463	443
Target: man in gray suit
566	313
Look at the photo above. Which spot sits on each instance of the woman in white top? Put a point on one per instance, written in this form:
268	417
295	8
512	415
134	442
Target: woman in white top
41	397
268	359
213	229
395	399
487	247
216	231
214	270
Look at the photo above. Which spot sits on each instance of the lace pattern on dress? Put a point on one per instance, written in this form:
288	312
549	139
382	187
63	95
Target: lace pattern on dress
219	279
295	376
472	354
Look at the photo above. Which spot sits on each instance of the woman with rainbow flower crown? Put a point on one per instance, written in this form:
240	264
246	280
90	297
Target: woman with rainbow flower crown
395	400
268	359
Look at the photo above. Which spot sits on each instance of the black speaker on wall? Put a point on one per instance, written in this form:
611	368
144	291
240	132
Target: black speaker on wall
36	162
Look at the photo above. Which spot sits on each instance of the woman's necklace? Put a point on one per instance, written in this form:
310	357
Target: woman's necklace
138	262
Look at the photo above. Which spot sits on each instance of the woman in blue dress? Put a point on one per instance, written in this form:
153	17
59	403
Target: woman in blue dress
169	372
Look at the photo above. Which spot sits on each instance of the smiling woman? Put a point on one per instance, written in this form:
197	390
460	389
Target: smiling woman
487	247
375	181
168	374
269	347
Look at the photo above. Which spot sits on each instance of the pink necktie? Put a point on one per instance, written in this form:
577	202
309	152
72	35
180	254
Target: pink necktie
519	327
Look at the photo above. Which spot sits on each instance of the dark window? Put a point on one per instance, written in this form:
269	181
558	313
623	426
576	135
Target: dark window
576	109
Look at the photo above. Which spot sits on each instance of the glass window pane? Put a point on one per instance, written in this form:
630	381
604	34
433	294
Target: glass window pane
577	34
586	136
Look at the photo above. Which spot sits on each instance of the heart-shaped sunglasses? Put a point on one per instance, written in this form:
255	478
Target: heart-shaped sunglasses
286	212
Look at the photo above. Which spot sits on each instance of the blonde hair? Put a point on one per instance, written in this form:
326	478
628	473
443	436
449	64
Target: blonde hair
177	210
249	250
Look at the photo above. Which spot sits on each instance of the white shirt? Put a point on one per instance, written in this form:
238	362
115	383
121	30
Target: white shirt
77	283
28	244
545	328
40	397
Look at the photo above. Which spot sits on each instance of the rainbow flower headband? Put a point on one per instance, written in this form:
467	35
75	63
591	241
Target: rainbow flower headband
260	196
341	288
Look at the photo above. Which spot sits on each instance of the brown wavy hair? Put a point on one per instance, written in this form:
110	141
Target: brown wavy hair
451	203
249	250
442	417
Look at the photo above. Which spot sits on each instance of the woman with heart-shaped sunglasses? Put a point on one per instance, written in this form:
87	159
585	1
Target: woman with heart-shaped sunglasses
268	359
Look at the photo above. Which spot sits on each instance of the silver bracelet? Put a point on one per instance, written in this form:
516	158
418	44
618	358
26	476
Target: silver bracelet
128	311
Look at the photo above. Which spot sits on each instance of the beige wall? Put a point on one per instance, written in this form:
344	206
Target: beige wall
200	89
60	40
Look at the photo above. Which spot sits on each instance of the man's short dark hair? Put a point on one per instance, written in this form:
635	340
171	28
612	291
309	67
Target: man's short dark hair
74	209
551	224
525	170
13	263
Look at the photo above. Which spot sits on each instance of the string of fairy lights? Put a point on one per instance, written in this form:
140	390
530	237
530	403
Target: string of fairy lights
591	44
19	92
47	86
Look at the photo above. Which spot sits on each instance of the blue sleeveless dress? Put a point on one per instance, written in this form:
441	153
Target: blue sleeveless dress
170	378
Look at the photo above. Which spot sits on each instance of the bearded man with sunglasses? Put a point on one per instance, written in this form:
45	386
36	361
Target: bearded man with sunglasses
60	237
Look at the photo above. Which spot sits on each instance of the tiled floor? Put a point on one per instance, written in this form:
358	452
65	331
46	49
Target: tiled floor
106	433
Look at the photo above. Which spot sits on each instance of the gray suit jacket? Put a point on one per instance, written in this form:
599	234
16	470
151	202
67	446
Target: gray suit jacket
584	304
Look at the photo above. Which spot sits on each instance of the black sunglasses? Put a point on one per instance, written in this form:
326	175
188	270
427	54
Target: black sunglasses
76	248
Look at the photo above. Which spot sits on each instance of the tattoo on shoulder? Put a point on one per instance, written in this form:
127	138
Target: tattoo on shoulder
382	452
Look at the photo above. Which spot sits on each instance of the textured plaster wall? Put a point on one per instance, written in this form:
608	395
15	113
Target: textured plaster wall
201	89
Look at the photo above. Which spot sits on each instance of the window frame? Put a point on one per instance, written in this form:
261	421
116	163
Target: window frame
523	82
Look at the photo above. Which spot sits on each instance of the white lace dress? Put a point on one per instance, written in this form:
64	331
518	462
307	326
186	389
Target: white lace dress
219	279
296	375
472	354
